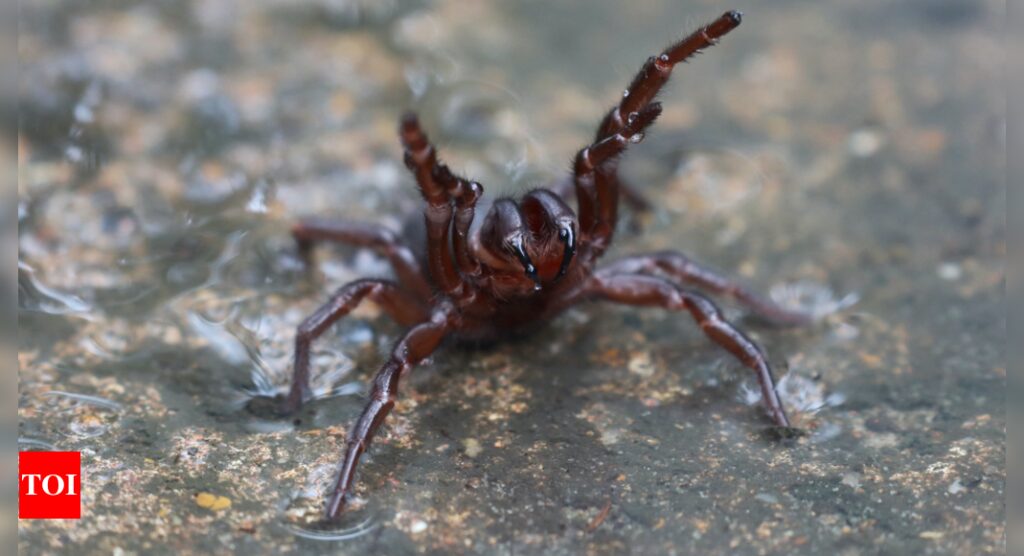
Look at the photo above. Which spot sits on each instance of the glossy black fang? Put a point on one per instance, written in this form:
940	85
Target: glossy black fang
524	259
568	236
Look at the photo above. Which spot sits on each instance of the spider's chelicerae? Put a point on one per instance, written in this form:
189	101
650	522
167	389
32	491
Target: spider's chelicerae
527	261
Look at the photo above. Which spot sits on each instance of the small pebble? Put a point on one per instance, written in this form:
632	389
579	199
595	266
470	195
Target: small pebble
950	271
418	526
766	498
640	364
864	143
212	501
472	447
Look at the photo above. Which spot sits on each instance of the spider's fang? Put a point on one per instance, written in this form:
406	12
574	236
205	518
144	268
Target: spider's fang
568	236
524	258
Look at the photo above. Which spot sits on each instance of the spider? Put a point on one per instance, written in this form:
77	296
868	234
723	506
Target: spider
526	262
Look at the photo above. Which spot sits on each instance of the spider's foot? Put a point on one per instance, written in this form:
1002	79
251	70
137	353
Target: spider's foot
335	507
778	433
277	407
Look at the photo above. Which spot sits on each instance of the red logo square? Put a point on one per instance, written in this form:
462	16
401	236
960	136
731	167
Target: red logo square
49	485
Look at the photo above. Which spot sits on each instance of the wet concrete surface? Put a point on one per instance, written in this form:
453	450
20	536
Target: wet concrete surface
847	158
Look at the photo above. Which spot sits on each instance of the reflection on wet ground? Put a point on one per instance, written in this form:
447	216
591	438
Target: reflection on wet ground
847	158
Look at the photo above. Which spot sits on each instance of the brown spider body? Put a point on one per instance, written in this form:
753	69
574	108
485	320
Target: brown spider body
525	262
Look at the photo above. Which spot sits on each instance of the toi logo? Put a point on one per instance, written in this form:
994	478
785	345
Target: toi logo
49	485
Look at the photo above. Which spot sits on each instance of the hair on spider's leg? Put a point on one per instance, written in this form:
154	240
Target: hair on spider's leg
657	70
688	272
417	344
421	159
373	236
652	291
397	303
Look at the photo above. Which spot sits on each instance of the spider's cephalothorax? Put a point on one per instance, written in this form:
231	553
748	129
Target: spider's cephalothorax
526	262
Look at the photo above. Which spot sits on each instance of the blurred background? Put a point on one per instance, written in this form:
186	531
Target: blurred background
848	158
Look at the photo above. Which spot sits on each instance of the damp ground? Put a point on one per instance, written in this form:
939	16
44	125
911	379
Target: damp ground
845	157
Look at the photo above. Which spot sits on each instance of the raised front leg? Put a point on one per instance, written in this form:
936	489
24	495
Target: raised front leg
417	345
404	308
656	71
651	291
681	268
421	159
464	194
596	177
597	184
365	234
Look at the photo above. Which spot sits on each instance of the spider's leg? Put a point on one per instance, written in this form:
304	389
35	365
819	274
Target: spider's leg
401	306
416	345
365	234
465	194
640	289
543	208
687	272
598	191
421	158
656	71
595	176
